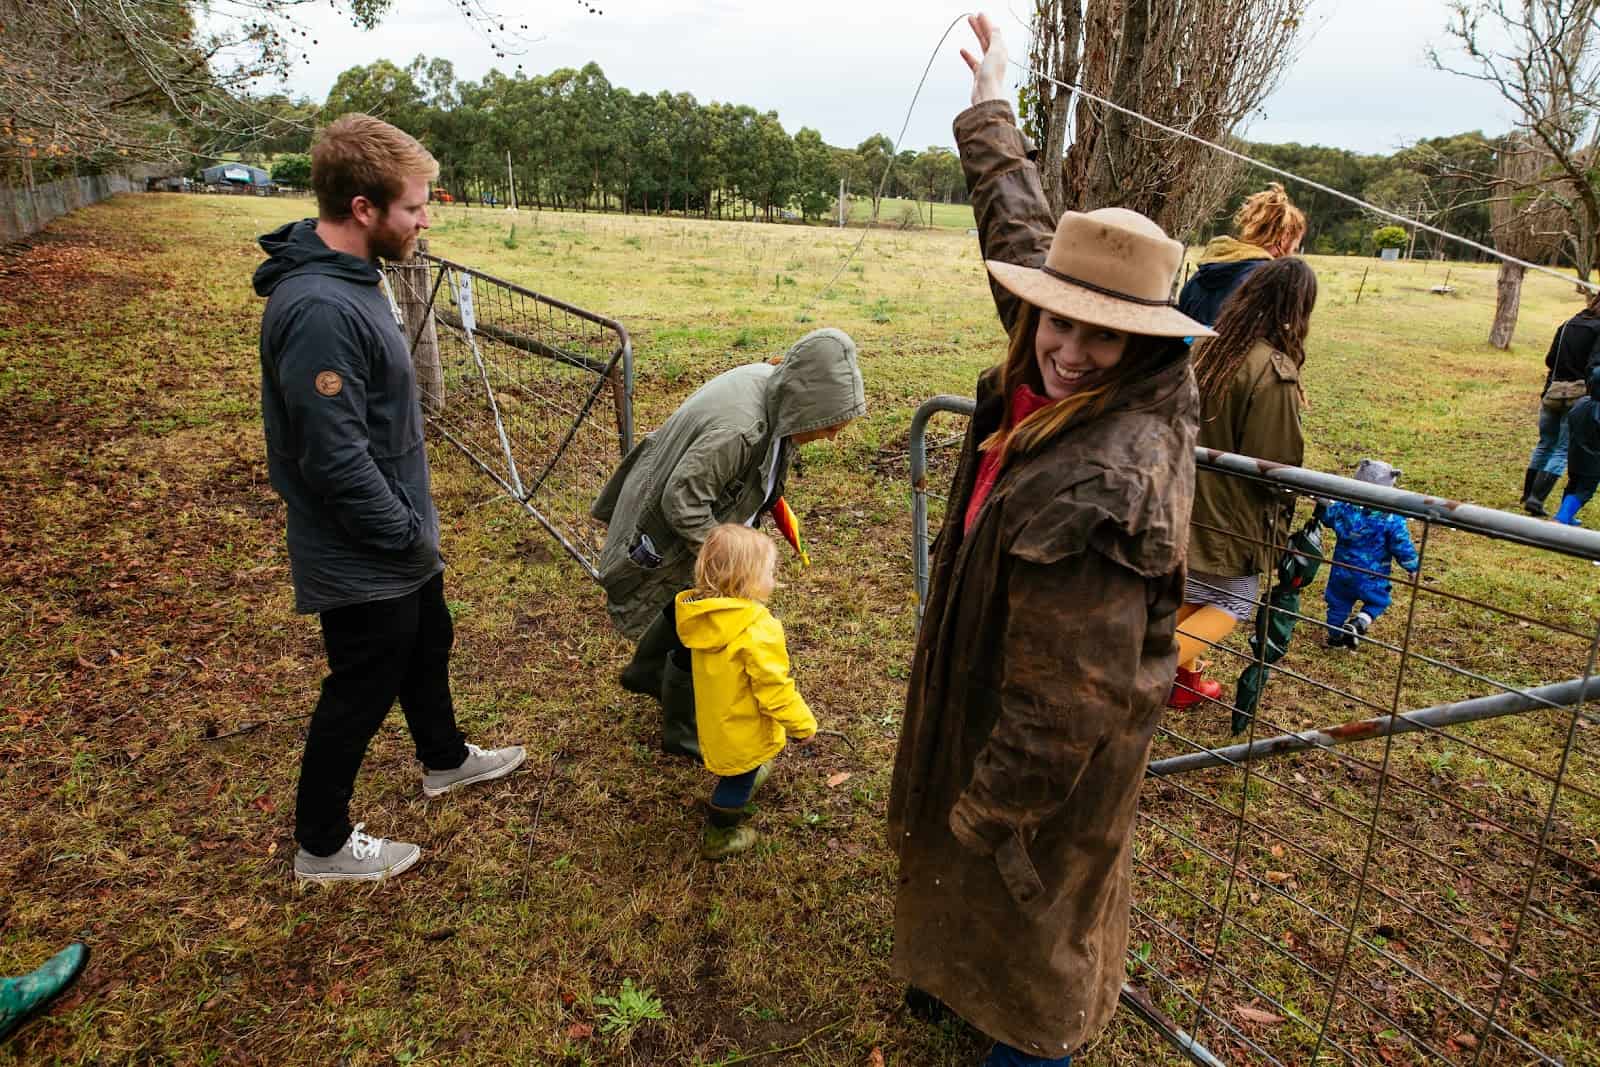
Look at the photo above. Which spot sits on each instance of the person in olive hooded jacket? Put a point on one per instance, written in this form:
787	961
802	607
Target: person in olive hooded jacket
721	457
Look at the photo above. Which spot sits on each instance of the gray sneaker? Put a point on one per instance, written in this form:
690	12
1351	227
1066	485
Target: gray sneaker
481	765
362	858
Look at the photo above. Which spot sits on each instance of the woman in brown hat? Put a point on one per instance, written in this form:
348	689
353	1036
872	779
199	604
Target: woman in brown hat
1047	647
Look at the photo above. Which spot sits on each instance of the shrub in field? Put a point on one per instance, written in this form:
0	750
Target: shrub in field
510	239
1390	237
292	169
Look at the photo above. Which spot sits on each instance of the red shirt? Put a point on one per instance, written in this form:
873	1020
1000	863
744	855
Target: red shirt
1024	402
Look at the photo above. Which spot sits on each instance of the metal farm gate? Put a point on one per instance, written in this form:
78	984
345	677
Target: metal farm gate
1397	860
534	391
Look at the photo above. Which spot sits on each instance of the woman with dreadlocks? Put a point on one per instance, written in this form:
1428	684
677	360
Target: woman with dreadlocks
1250	399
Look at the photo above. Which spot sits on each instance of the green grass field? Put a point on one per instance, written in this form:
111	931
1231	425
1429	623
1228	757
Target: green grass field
896	213
145	611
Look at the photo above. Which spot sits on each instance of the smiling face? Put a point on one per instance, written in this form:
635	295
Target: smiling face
1073	355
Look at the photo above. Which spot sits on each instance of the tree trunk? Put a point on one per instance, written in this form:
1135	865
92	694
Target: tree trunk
1507	301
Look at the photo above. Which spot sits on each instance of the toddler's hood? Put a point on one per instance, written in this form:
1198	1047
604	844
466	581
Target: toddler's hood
710	623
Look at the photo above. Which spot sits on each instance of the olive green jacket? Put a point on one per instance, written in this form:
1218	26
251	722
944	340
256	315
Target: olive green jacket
708	464
1236	521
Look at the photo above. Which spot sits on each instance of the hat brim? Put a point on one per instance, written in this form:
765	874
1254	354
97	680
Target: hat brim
1085	305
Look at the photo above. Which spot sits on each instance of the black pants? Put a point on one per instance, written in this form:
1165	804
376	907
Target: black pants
376	652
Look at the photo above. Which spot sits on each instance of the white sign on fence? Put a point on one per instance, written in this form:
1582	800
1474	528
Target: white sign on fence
469	321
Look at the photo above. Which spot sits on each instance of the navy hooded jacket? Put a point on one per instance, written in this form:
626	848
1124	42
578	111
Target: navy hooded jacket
343	425
1225	263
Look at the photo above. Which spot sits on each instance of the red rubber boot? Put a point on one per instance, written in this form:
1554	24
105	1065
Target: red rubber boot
1191	688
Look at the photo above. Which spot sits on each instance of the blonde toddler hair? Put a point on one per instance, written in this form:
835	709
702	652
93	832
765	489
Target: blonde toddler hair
736	561
1269	218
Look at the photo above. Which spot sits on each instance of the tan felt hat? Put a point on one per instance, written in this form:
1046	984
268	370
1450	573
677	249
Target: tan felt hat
1111	267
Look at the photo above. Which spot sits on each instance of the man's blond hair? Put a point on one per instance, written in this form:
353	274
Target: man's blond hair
358	155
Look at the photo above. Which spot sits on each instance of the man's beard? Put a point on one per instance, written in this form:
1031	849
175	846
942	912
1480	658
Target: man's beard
392	246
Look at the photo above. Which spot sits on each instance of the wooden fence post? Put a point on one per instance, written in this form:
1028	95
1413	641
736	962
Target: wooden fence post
413	287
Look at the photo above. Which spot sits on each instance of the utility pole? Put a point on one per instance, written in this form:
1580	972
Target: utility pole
511	179
841	201
1411	253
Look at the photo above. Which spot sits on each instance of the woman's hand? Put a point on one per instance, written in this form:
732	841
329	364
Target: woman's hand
988	73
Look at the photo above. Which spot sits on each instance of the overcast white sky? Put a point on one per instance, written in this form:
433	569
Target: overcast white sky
848	67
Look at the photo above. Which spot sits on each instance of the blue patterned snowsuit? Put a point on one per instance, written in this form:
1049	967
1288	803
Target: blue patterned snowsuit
1368	540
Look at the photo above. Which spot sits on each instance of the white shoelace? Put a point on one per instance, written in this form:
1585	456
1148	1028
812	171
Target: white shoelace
474	750
364	846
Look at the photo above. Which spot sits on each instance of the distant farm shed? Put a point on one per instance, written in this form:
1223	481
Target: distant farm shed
235	174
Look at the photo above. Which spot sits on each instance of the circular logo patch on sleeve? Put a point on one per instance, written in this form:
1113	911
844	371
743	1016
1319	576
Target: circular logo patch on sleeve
329	383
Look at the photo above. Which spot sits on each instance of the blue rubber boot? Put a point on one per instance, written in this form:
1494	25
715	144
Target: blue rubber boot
1568	515
27	995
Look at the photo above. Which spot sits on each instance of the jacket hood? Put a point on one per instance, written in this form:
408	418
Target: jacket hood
294	248
708	624
1231	250
818	384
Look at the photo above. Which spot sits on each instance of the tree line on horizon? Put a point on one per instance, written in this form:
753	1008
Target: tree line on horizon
578	142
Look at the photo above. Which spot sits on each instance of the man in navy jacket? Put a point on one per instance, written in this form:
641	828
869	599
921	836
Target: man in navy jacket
345	450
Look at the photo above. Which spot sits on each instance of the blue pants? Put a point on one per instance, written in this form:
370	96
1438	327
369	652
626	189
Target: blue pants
1345	587
734	792
1550	454
1003	1055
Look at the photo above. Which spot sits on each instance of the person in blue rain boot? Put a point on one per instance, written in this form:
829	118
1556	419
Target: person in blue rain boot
1583	453
1369	540
26	995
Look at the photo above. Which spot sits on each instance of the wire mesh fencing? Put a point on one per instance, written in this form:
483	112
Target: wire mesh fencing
537	393
1381	848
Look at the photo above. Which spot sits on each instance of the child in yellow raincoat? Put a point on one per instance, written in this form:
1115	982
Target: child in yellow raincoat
745	702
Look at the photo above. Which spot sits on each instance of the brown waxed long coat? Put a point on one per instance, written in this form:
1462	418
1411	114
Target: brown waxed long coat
1045	657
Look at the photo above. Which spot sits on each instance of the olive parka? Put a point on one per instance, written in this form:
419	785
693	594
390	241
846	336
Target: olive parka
709	464
1045	656
1238	523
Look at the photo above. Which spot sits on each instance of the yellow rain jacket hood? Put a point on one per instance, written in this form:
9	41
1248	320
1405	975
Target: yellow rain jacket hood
744	699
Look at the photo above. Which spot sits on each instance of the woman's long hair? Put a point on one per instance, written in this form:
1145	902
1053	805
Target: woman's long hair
1274	305
1021	367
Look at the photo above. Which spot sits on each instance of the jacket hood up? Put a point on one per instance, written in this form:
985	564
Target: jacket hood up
294	248
818	384
710	623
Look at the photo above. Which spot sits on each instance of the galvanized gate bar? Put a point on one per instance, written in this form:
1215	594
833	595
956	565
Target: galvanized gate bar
1473	518
1556	696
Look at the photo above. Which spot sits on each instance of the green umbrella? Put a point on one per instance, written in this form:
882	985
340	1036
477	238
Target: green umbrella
1276	618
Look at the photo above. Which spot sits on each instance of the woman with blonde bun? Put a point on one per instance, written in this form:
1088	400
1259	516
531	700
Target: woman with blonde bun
1270	227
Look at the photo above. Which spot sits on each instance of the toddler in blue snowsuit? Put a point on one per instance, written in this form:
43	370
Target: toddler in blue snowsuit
1368	540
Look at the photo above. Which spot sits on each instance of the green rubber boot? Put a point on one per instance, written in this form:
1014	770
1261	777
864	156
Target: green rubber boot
26	996
720	842
643	673
680	735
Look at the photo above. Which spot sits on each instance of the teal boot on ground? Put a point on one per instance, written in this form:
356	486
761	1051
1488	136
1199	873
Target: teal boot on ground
27	995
